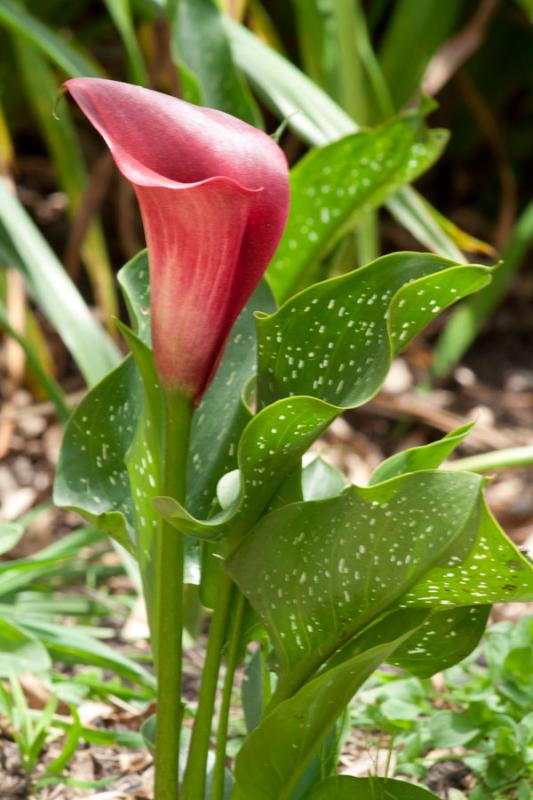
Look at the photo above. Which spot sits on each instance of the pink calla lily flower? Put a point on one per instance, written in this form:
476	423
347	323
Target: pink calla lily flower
214	197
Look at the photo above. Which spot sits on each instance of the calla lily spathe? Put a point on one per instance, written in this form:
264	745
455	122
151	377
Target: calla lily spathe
214	197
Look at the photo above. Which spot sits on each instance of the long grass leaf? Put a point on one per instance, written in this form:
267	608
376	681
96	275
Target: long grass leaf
55	293
467	320
121	14
40	85
64	55
413	34
47	383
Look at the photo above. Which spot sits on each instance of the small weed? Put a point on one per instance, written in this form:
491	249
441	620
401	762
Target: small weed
480	716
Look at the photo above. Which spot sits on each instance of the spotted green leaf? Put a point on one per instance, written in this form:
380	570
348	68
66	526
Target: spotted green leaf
332	185
317	572
442	641
330	578
222	415
336	339
91	476
134	281
428	456
276	753
344	787
490	570
332	343
270	447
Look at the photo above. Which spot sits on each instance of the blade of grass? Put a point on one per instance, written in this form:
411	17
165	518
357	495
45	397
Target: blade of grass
46	381
55	293
73	737
413	34
199	41
40	85
121	14
468	319
67	57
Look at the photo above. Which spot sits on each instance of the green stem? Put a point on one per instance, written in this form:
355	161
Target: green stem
195	773
495	459
169	586
234	639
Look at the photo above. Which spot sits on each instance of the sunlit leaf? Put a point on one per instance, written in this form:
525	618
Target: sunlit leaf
20	652
55	293
332	185
333	340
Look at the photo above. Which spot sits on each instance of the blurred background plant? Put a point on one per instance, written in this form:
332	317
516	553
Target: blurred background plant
321	70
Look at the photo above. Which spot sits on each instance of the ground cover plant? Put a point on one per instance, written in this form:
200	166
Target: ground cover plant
483	719
189	451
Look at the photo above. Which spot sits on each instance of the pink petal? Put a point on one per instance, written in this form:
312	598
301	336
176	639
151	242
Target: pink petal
214	197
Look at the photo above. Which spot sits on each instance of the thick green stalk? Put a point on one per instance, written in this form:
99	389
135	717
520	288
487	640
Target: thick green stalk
234	640
195	773
169	589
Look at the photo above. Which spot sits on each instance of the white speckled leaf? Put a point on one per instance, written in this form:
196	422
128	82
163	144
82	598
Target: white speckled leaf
332	185
445	639
335	340
134	281
333	343
270	447
491	571
91	476
222	415
318	572
276	753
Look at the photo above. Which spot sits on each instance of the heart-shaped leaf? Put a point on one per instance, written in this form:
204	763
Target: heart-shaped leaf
318	572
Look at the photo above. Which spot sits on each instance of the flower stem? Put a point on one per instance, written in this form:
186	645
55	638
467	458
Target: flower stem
234	639
169	586
195	773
